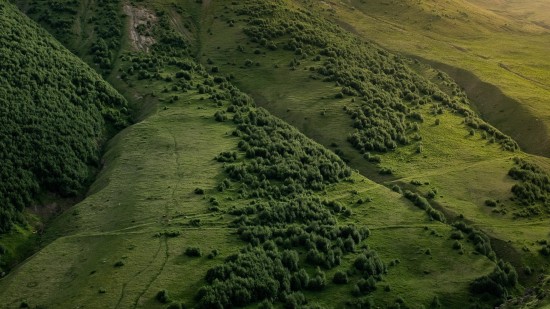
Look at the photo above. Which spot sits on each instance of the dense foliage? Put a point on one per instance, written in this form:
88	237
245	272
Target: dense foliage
107	28
54	111
57	16
276	176
102	26
534	183
498	283
287	223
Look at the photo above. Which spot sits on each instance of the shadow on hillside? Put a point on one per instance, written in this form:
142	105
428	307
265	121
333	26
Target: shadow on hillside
504	113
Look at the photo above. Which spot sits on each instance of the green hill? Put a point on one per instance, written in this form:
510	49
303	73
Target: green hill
481	44
211	200
56	114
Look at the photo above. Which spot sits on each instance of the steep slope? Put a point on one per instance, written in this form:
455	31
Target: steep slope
56	113
166	189
301	69
479	45
207	171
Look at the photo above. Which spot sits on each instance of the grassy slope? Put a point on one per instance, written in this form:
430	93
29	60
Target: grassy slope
151	171
535	12
464	35
146	187
466	170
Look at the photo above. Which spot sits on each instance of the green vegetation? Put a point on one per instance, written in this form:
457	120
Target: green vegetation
210	201
56	114
534	185
97	34
498	283
390	93
477	43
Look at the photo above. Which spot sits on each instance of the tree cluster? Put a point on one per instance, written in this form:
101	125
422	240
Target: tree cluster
423	203
55	114
534	183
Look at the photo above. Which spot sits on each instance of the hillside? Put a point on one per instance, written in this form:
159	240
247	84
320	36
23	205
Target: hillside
56	113
279	160
481	44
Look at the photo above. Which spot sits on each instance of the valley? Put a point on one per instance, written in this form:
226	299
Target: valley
274	158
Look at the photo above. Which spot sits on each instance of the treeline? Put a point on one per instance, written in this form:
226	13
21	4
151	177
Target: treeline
55	114
107	24
387	94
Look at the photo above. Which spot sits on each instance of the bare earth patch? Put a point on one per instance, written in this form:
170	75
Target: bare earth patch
141	22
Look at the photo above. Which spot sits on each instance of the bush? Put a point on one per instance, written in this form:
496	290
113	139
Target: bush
457	245
193	252
457	235
318	282
162	297
340	277
220	116
214	253
397	189
199	191
497	283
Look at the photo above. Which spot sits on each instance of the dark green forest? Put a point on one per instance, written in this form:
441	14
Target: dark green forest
55	112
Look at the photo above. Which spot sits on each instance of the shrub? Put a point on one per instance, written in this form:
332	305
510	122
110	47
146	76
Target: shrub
545	250
457	245
397	189
457	235
193	252
497	283
199	191
213	253
119	263
340	277
220	116
162	297
318	282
